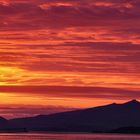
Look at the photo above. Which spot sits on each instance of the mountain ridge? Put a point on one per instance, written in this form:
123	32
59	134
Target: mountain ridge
101	119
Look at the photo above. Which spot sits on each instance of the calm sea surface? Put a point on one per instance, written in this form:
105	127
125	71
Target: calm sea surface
68	137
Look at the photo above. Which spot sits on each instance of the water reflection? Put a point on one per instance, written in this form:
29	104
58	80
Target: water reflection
68	137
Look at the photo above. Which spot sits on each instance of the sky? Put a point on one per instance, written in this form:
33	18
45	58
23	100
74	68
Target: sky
58	55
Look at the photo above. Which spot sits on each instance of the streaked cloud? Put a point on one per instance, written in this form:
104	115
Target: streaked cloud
73	44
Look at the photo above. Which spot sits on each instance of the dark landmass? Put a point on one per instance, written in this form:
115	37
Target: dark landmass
127	130
13	130
113	118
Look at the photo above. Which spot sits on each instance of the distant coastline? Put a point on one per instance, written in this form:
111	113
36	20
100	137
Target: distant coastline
112	118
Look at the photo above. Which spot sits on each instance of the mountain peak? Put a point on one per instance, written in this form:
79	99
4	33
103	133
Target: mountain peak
133	102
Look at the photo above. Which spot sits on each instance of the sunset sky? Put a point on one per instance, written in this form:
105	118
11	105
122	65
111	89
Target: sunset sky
58	55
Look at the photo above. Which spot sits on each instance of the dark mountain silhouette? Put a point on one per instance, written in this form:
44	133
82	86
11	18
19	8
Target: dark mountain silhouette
2	120
97	119
126	130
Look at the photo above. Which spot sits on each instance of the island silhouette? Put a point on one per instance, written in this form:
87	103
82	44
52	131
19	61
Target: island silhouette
112	118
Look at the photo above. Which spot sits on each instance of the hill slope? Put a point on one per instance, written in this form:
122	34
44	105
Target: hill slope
103	118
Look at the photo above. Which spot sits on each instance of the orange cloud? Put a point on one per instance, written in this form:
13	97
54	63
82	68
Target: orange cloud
82	43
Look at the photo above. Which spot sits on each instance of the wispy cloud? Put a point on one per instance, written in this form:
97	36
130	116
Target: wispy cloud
82	43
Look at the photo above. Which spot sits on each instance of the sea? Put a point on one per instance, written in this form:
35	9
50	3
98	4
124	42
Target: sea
67	136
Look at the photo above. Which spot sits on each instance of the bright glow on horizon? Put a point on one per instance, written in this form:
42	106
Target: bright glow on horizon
69	53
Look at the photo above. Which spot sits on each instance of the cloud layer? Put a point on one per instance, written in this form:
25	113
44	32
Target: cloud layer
82	43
